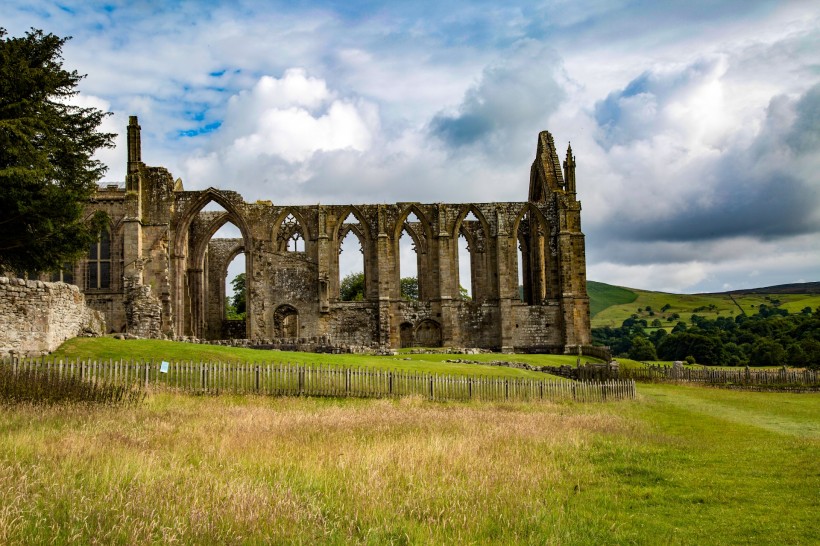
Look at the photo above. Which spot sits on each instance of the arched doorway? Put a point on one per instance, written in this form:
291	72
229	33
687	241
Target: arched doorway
406	335
286	322
428	334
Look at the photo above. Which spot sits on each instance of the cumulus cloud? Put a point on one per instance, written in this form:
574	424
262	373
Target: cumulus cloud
293	117
272	130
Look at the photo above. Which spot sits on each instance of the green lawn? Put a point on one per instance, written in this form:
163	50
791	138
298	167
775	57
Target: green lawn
679	465
108	348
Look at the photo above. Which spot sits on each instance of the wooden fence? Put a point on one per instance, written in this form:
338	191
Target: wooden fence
741	376
307	380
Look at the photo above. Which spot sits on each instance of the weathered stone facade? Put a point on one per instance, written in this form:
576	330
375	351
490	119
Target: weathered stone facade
163	239
36	317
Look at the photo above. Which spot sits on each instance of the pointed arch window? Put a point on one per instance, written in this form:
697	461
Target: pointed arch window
291	235
99	263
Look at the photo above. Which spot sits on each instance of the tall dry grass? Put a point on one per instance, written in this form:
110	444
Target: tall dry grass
227	470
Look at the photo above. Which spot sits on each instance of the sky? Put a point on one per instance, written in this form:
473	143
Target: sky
695	125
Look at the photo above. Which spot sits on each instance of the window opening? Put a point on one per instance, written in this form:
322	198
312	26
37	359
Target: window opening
99	262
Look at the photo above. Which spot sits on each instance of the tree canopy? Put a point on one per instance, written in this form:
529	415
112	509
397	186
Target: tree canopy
47	170
772	337
240	300
352	287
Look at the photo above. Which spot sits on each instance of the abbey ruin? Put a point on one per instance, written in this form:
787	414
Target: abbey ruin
159	272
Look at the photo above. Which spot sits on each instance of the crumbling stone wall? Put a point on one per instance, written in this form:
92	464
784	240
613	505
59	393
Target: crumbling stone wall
36	317
143	311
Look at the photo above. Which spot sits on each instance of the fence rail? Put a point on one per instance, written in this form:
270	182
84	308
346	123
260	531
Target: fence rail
741	376
294	380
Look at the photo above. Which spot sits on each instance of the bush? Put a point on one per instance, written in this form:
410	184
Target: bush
689	359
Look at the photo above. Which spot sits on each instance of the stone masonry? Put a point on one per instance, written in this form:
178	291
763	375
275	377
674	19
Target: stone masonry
36	317
167	271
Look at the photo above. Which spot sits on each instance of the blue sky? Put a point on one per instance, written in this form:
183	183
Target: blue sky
696	125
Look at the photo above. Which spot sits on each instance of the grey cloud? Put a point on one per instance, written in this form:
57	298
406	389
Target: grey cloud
511	103
636	111
804	136
768	190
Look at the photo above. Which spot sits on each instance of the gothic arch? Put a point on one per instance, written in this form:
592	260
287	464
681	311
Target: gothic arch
537	265
277	224
188	281
189	213
465	210
361	230
402	219
347	211
198	252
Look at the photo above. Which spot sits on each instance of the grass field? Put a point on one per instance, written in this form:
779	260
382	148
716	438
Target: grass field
607	310
105	348
680	465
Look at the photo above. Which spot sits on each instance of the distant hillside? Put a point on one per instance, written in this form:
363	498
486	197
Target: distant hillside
611	305
603	295
794	288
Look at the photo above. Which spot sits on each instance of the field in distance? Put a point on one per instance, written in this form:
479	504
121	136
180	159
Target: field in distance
108	348
611	305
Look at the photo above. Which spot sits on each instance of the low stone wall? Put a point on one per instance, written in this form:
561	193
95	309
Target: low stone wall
36	317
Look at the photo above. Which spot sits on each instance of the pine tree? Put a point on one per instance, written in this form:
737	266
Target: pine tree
47	172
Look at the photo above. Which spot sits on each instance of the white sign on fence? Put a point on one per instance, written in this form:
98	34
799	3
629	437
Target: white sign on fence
163	368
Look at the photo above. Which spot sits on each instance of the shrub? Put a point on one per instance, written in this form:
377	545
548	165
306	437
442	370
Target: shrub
689	359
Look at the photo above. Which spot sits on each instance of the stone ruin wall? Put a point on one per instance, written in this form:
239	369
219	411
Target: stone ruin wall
168	271
36	317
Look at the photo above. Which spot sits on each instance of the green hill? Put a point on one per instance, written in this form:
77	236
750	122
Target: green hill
603	295
607	310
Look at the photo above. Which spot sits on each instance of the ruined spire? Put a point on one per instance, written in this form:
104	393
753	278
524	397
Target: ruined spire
134	154
569	170
545	174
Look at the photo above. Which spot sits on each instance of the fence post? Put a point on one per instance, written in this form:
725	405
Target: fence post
301	380
257	379
390	382
431	387
506	389
470	387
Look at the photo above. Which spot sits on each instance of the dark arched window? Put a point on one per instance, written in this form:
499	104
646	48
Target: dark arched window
99	262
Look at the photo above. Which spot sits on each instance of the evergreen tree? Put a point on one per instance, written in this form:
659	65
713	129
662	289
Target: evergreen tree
47	172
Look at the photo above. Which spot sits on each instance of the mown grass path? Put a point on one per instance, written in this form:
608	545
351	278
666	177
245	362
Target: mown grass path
680	465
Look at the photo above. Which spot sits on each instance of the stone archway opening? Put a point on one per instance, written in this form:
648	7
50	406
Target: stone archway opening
405	335
286	322
209	232
409	258
428	334
352	266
